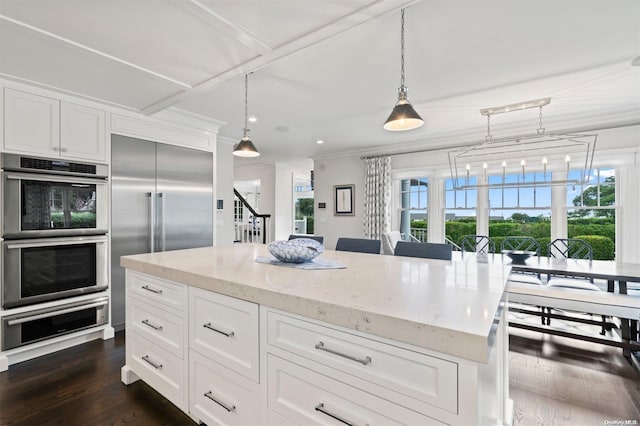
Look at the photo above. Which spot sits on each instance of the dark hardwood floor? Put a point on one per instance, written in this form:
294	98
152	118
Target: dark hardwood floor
81	386
554	381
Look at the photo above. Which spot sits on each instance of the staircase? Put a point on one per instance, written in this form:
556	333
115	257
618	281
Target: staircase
250	226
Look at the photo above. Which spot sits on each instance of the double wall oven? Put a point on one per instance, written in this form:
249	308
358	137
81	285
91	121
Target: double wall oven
54	225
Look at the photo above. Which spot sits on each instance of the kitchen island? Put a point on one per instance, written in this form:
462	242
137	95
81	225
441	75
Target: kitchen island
386	340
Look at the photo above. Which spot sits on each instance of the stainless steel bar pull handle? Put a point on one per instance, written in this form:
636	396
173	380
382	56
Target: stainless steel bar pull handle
320	407
364	361
152	223
212	328
229	408
146	287
153	364
148	324
54	313
161	228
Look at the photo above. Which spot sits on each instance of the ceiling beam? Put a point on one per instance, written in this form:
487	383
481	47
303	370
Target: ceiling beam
359	16
217	21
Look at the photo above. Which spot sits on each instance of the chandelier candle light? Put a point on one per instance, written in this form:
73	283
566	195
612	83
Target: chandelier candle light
553	146
403	116
245	148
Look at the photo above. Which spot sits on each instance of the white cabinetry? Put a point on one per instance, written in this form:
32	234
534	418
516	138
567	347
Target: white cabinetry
306	397
355	378
225	329
82	132
156	350
40	125
247	364
224	359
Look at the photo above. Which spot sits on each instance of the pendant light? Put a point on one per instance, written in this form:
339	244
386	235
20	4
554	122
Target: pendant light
403	116
245	148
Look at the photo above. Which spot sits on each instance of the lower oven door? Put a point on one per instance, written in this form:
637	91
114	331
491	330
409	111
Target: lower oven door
30	327
39	270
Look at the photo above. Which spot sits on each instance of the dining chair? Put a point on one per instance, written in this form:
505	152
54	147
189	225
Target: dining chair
424	250
318	238
477	244
525	244
520	243
571	248
360	245
389	241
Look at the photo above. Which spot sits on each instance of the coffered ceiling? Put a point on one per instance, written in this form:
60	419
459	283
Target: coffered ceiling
329	69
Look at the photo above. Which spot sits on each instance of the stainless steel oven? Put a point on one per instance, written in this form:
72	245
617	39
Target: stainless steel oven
48	198
38	270
33	326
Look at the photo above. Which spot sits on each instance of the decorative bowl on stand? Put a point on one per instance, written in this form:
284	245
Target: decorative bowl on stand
518	257
299	250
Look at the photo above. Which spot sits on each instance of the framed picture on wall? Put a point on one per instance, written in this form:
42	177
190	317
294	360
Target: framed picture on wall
343	196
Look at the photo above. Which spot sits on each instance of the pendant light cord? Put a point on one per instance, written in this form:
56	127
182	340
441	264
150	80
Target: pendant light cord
246	103
402	48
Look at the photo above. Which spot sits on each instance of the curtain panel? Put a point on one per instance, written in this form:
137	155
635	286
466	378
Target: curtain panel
377	197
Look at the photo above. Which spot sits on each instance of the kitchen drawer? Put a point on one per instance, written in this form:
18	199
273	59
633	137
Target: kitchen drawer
159	368
309	398
219	396
403	376
158	291
226	330
162	328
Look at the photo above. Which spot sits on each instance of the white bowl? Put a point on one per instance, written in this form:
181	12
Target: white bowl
299	250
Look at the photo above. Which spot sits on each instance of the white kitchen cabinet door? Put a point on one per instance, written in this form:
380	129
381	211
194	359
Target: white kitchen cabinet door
225	329
82	132
32	123
219	396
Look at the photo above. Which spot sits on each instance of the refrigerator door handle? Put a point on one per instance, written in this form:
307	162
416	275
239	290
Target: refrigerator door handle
161	227
152	223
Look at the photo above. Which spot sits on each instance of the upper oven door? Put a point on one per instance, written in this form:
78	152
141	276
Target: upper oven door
41	205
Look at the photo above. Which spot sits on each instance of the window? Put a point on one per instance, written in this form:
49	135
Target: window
460	210
519	208
591	211
413	207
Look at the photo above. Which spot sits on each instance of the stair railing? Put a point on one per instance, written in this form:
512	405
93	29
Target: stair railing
257	229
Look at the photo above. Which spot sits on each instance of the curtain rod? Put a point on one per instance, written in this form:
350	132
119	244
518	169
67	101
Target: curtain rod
466	145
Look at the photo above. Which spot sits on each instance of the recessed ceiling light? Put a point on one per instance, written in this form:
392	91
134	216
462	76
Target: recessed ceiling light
283	129
253	119
319	141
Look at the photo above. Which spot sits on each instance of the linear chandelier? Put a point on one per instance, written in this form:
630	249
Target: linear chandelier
472	166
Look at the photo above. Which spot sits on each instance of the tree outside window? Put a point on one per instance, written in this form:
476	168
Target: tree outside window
591	214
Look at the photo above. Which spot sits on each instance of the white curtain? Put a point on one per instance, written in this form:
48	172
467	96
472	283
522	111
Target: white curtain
377	197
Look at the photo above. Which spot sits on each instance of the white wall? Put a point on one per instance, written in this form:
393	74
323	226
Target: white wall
224	233
338	171
284	212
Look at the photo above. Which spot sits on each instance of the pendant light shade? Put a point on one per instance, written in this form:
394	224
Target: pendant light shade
403	116
245	148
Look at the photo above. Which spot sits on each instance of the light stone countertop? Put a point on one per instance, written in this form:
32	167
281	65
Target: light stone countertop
448	307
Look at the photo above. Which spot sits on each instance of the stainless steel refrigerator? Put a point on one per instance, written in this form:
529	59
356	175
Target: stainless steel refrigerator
161	199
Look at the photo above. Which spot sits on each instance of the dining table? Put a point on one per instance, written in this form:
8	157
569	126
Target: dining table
618	275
